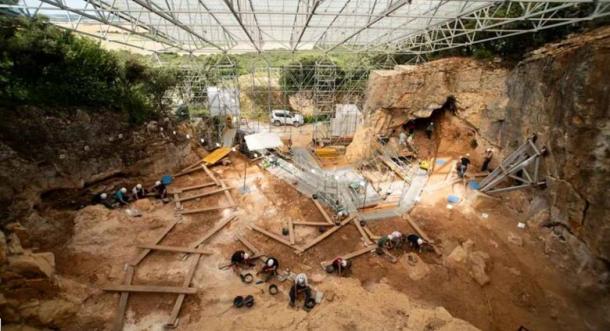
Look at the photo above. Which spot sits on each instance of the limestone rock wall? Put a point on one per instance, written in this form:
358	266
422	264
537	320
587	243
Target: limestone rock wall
42	151
561	92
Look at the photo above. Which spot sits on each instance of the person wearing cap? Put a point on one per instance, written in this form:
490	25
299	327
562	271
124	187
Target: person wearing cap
341	266
300	286
430	130
384	242
402	138
240	259
121	196
396	239
462	165
160	190
489	153
415	242
138	192
270	268
102	198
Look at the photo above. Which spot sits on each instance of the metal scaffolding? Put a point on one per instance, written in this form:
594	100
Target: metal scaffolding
234	26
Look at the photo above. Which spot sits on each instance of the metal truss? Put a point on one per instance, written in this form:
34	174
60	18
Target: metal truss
521	166
234	26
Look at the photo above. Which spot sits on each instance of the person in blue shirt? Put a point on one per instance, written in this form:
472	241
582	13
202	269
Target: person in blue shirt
121	196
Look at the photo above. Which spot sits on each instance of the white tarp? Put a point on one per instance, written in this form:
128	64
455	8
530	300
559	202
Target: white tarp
223	101
263	140
347	119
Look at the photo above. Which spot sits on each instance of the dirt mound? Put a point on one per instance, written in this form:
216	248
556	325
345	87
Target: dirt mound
380	307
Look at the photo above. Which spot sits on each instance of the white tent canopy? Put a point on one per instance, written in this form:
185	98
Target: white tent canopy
263	140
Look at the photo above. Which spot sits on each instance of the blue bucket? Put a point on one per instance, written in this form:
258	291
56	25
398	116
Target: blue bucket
453	198
474	185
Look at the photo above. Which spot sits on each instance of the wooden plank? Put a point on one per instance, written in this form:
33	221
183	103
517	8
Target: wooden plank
422	234
144	253
323	211
210	174
192	166
271	235
365	237
324	235
205	194
312	223
219	183
203	210
177	200
174	249
173	319
394	167
227	193
122	308
187	172
212	232
194	187
370	233
150	289
291	231
216	155
255	251
352	255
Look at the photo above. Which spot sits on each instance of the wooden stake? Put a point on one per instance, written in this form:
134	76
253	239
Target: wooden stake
174	249
122	308
149	289
291	231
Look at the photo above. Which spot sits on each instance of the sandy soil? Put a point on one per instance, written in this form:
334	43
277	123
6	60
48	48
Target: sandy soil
526	288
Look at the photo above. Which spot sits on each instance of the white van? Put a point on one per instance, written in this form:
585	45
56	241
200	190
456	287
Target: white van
285	117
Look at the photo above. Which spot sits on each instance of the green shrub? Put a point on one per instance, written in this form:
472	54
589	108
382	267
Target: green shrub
41	64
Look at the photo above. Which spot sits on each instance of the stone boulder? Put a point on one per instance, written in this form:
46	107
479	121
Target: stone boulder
55	312
142	204
14	244
478	265
416	268
33	265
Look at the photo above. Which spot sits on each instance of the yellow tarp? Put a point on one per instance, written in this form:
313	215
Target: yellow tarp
216	155
326	152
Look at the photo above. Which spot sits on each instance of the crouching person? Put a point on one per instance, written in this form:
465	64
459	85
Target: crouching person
300	287
341	266
270	268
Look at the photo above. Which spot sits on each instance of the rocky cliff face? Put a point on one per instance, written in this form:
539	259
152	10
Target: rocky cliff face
560	92
50	160
41	152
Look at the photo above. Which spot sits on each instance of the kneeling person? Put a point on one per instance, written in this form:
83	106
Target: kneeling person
270	268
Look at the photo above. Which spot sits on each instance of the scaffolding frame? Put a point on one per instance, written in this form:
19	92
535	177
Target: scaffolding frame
416	27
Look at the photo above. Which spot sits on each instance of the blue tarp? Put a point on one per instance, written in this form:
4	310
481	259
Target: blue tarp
166	180
474	185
